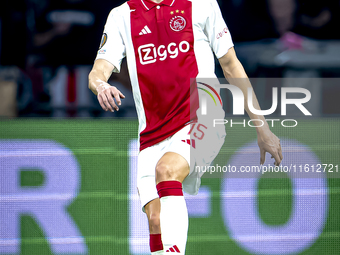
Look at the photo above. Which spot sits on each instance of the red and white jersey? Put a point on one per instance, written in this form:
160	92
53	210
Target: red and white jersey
166	46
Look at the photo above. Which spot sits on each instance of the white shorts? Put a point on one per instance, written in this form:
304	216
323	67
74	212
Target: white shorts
181	143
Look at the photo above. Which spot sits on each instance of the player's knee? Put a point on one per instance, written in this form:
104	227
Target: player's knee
154	223
164	172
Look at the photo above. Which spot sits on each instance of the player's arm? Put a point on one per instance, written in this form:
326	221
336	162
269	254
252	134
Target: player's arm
236	75
98	78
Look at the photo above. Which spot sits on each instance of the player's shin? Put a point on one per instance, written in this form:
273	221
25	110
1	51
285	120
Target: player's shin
173	217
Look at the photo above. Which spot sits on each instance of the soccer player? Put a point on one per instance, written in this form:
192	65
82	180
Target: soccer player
167	43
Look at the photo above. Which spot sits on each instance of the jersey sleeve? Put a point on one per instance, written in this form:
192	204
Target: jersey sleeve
112	47
217	31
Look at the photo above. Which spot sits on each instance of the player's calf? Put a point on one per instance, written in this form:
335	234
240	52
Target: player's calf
152	210
171	170
174	216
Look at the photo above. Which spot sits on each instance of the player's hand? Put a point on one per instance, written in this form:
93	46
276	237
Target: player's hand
109	97
268	142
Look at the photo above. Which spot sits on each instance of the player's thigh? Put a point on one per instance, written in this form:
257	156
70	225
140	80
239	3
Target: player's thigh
175	163
208	147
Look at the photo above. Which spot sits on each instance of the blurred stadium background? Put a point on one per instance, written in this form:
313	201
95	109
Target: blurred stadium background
67	168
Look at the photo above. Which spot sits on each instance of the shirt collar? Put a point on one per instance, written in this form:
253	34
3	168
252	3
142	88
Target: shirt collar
148	4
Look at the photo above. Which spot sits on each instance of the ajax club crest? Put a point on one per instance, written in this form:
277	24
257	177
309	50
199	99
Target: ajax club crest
177	23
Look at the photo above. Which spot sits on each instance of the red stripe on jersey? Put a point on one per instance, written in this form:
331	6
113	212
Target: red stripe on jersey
193	143
163	41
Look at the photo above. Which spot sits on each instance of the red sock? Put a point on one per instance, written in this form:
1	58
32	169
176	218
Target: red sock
169	188
173	217
156	242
